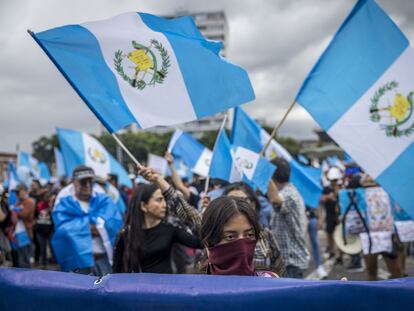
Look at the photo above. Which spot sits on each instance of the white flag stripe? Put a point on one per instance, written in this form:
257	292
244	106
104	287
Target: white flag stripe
142	103
362	138
96	156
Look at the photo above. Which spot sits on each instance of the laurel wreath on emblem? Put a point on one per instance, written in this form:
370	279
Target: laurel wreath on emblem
244	163
96	155
145	63
400	111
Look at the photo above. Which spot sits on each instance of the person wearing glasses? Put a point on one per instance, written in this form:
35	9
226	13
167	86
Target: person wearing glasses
86	224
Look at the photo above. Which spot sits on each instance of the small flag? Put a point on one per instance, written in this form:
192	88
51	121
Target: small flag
196	156
361	92
143	69
60	164
26	160
247	133
82	149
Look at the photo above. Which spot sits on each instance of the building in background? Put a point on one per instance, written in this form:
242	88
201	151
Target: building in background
5	157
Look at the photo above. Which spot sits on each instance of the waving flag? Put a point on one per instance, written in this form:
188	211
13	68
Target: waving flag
60	164
247	133
44	173
222	164
82	149
26	160
361	93
143	69
196	156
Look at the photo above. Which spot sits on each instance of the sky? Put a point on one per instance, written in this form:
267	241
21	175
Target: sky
276	41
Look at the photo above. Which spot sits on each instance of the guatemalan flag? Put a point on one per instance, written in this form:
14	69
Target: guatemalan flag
28	161
60	164
143	69
196	156
21	238
82	149
247	133
361	93
234	163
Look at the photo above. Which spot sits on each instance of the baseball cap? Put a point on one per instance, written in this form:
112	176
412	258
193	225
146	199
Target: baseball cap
82	172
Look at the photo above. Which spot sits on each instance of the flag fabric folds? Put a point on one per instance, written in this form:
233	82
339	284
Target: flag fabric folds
361	93
82	149
44	173
26	160
196	156
248	134
126	291
143	69
60	164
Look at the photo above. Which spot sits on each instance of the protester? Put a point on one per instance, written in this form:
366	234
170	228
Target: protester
229	231
329	200
267	255
86	223
5	226
288	220
44	226
25	209
313	226
145	242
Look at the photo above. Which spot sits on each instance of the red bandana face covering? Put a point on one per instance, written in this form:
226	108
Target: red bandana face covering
234	258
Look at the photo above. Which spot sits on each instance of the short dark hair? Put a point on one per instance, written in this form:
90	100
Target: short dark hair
219	212
282	173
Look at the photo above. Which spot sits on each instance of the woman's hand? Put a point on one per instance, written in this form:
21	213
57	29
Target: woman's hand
152	176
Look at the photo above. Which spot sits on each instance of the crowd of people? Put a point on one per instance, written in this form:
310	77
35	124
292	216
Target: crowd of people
169	225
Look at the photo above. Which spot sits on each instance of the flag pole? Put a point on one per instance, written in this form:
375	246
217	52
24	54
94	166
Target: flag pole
126	150
277	127
223	123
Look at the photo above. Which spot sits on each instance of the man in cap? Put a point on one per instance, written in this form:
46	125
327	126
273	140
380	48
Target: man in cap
86	223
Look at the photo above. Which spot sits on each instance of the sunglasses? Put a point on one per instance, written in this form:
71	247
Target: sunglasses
85	182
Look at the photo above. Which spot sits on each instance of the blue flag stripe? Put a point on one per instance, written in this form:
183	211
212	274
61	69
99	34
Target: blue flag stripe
70	143
231	83
74	47
366	44
399	184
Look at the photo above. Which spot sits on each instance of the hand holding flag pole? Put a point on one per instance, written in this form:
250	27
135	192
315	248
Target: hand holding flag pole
277	127
221	128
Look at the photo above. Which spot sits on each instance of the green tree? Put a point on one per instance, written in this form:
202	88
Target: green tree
43	149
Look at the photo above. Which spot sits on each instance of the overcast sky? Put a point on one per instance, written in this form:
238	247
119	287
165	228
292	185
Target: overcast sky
277	41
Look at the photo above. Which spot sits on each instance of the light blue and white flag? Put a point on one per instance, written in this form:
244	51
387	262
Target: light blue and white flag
143	69
222	164
196	156
44	174
20	236
361	93
60	164
113	192
256	169
82	149
28	161
247	133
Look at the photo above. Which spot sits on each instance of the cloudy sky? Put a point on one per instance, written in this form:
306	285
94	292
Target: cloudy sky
277	41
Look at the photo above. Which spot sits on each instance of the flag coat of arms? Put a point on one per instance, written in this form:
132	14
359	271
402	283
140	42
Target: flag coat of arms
82	149
361	93
143	69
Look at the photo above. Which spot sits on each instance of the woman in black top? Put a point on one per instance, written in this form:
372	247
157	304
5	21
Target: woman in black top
144	244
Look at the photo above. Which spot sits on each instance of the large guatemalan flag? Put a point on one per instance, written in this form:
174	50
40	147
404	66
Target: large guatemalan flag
247	133
361	92
143	69
82	149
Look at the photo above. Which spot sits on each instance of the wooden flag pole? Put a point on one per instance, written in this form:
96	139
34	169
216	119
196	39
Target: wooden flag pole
126	150
277	127
215	143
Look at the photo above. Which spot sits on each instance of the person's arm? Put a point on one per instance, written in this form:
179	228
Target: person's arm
27	210
176	203
2	215
178	183
183	237
273	194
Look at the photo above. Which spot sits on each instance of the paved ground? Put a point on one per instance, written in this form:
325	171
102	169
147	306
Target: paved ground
336	272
